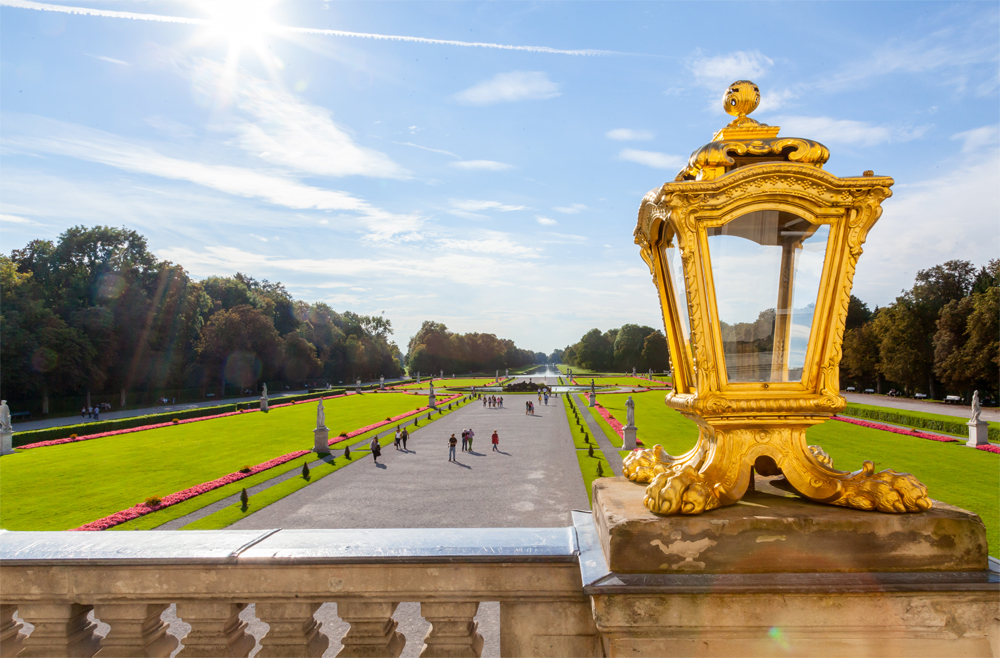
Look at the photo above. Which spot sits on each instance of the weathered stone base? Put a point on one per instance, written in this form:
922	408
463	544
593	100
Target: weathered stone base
321	441
628	437
910	624
782	533
978	434
6	443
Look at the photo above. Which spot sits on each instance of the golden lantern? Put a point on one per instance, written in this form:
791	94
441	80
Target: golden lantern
752	249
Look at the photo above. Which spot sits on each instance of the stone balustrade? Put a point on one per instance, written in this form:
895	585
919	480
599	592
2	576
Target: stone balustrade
53	580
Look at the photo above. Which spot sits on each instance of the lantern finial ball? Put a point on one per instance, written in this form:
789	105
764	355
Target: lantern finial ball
742	97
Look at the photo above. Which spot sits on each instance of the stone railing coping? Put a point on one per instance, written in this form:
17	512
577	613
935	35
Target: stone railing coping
278	546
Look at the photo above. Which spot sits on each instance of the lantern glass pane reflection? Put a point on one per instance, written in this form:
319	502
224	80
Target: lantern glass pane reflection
767	267
675	276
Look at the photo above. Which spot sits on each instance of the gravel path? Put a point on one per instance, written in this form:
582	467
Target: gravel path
959	411
534	481
596	431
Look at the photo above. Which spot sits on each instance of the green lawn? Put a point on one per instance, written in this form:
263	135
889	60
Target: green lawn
633	382
62	487
922	414
441	384
588	466
578	432
954	474
612	435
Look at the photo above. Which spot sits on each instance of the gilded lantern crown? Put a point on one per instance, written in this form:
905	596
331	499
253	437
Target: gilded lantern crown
746	141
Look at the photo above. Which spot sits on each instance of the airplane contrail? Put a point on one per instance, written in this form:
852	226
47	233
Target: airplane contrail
183	20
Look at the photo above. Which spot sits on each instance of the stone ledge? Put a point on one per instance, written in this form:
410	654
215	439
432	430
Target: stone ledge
782	533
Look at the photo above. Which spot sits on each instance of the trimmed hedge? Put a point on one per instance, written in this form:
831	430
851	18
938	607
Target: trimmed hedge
65	431
956	428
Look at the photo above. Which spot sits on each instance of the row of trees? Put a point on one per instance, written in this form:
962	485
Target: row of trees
435	348
940	337
96	312
618	350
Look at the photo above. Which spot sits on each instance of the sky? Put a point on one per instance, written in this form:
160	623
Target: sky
478	164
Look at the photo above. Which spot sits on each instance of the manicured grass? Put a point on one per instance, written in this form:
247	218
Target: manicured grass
447	382
62	487
588	467
631	382
230	515
612	435
657	422
953	474
578	432
922	414
160	517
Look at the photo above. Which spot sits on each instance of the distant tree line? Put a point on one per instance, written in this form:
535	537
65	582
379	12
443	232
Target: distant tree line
435	348
940	337
618	350
96	312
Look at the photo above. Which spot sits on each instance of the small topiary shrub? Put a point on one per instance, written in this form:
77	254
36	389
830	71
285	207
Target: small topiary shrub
590	450
153	501
175	421
72	436
600	470
343	434
305	470
245	469
347	452
244	498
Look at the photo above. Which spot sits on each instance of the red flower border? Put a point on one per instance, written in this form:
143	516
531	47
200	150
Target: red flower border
167	501
613	422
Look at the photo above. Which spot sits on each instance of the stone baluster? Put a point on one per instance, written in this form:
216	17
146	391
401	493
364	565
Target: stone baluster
61	629
216	629
294	631
373	630
453	630
136	630
11	637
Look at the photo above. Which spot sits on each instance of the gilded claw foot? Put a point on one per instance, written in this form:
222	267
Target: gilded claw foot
644	465
681	491
886	491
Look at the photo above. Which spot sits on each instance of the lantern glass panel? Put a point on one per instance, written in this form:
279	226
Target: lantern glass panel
675	276
767	267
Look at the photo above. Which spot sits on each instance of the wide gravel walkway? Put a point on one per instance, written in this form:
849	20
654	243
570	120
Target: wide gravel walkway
534	481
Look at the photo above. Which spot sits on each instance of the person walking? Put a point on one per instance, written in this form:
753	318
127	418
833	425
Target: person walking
501	402
452	442
496	441
97	413
471	434
546	397
527	407
465	439
405	436
484	402
83	412
376	448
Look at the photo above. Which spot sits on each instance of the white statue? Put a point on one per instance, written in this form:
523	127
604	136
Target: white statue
418	376
381	381
263	391
506	372
442	373
498	375
5	417
320	415
976	409
633	371
630	412
432	387
592	391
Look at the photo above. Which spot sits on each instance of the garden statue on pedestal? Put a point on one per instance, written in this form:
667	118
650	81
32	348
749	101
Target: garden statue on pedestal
978	429
357	386
6	430
593	394
321	435
629	432
381	382
431	400
263	398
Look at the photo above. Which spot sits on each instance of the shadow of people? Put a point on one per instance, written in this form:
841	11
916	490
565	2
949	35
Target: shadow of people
502	452
462	465
379	465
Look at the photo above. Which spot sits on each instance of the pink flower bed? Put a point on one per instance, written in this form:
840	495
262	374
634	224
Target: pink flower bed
894	430
613	422
990	447
142	508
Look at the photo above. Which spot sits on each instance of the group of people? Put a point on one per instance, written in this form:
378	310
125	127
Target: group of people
95	411
467	436
545	395
401	436
493	402
529	408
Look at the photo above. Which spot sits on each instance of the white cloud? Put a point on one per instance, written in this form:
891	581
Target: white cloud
472	205
425	148
481	165
14	219
721	70
571	209
508	87
545	221
774	100
629	135
978	138
493	242
112	60
653	159
847	131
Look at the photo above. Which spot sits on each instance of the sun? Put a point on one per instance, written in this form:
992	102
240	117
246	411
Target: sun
241	23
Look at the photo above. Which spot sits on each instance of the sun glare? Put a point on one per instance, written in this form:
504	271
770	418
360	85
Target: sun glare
242	23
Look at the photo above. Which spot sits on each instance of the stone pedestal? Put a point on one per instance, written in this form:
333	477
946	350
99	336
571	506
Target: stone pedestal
6	443
978	434
593	400
432	401
263	404
629	437
321	441
780	575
